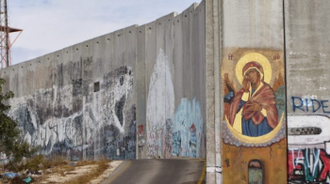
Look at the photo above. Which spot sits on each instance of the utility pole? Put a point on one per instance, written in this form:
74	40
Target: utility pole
5	30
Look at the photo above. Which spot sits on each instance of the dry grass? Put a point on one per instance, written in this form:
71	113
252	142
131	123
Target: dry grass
102	165
59	170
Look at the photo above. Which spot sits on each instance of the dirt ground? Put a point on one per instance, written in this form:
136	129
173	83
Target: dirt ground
77	172
71	174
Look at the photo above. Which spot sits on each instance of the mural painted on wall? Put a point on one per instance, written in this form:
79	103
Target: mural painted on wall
81	123
160	109
254	99
169	133
188	129
253	125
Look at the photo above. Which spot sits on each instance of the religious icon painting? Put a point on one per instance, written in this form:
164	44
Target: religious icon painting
253	98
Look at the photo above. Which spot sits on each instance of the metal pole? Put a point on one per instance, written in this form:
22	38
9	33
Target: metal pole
7	34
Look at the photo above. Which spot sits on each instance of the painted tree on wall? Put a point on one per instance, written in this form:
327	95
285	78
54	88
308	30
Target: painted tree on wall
10	141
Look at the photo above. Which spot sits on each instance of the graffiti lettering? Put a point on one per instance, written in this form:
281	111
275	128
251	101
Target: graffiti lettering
176	143
308	165
301	104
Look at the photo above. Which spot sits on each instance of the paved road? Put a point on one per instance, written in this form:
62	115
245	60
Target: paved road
159	171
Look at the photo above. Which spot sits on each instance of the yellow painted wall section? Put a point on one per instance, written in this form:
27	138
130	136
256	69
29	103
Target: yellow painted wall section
236	160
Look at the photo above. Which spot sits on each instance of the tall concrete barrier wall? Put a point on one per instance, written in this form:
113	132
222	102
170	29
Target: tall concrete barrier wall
307	50
183	85
174	84
292	37
138	92
250	114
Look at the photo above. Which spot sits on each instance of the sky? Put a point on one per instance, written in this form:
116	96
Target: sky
51	25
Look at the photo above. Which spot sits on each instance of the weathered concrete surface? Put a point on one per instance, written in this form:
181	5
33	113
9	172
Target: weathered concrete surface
157	90
307	50
175	105
253	24
138	92
212	31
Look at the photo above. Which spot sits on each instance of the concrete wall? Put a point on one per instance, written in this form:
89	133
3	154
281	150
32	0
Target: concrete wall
307	49
138	92
174	85
164	89
293	36
252	31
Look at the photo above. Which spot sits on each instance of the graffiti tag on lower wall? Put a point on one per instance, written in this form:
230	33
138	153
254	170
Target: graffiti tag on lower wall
308	165
188	129
102	124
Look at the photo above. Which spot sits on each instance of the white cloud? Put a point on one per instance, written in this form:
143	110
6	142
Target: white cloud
51	25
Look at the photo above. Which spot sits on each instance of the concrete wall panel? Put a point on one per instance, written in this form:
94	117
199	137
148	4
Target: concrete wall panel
140	84
177	59
134	93
253	24
129	109
252	37
150	60
307	48
171	119
200	68
187	31
5	74
148	91
13	79
28	79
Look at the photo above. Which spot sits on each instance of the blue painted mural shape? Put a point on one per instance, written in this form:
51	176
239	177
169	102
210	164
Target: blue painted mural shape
280	100
188	129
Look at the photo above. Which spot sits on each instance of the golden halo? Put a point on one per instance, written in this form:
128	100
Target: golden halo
259	58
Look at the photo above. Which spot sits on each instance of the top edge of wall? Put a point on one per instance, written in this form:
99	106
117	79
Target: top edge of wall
192	7
172	15
29	63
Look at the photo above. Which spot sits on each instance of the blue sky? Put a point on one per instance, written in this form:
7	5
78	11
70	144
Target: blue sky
50	25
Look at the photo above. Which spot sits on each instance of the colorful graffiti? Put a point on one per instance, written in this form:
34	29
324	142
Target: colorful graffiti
141	138
188	129
76	123
170	133
310	165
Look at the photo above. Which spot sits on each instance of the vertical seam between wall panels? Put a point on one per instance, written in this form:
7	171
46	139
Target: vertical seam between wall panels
209	45
220	25
285	78
217	90
53	102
